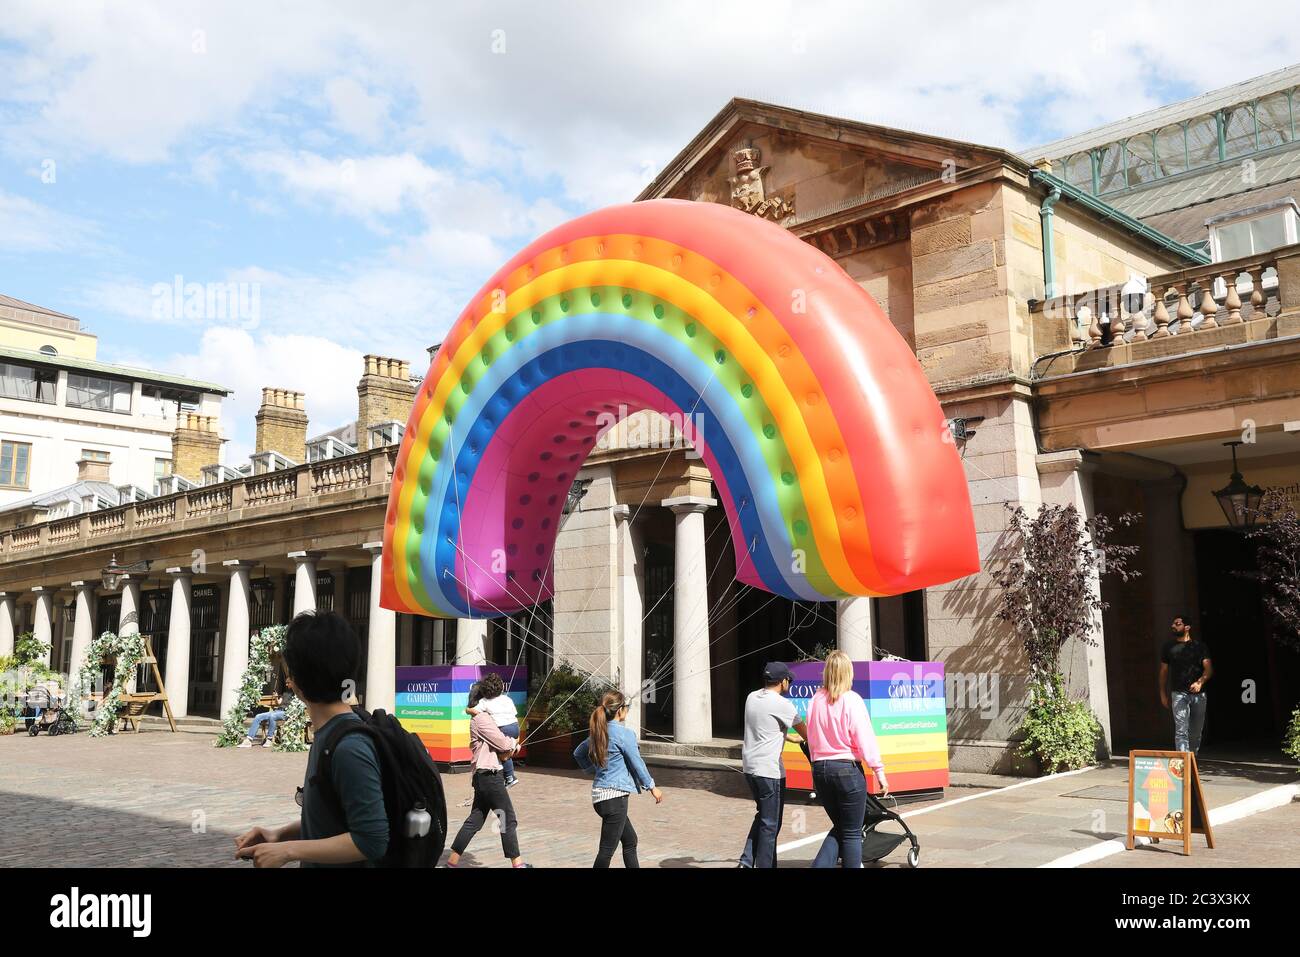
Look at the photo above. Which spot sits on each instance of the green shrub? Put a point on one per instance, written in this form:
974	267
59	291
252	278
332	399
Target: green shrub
1061	733
564	699
27	650
1291	739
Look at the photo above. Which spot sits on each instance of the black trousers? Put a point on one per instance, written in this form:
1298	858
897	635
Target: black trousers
490	797
615	828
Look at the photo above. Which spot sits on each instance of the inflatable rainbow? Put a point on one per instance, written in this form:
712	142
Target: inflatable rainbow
826	444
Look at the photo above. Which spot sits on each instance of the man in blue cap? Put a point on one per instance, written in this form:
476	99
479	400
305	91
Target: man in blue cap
769	717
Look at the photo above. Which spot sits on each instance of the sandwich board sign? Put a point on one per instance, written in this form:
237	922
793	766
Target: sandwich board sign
1165	798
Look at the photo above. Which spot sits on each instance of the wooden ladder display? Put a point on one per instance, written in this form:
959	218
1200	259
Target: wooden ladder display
136	703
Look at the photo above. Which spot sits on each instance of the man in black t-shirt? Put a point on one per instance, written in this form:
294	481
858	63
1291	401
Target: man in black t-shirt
1184	670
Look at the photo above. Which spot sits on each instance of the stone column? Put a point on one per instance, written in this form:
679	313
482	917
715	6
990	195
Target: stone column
128	617
42	618
628	656
381	653
7	629
692	691
471	641
234	659
83	626
853	621
1066	479
178	644
304	582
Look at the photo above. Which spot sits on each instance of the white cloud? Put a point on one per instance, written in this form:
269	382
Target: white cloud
247	361
366	186
30	227
392	309
356	110
592	98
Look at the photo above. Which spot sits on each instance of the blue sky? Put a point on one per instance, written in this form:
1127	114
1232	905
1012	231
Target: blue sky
366	166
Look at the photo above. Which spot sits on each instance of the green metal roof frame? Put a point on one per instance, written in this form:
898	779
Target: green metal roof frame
1192	256
147	376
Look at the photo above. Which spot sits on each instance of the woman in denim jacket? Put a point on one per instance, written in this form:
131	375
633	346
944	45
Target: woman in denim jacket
611	752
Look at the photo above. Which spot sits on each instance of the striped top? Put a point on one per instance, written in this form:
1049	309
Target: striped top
605	794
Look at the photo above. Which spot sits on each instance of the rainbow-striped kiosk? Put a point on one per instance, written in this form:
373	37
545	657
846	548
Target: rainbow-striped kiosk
828	449
909	715
431	702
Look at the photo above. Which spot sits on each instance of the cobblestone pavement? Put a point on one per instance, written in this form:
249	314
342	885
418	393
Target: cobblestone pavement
162	799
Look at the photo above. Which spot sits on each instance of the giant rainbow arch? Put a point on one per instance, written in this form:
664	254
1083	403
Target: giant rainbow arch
826	444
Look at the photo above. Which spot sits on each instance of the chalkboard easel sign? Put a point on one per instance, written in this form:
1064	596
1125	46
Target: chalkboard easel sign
1165	798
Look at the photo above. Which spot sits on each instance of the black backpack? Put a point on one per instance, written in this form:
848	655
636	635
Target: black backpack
409	778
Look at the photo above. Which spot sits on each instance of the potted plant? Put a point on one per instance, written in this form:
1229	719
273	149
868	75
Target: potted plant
558	711
1050	597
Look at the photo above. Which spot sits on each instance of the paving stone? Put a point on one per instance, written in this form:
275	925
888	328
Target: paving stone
161	799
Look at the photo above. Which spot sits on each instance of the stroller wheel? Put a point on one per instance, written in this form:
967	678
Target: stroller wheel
914	856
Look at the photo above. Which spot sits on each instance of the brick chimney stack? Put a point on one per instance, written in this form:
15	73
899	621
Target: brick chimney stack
195	443
384	394
282	424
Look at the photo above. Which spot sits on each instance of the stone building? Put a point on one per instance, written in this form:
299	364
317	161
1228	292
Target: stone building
1094	340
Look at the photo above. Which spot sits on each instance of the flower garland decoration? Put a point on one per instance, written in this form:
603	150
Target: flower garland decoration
261	648
293	730
128	652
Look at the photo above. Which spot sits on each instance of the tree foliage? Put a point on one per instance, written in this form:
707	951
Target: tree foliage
1049	594
1277	533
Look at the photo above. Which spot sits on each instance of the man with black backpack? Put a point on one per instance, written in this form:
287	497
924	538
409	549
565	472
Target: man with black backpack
371	796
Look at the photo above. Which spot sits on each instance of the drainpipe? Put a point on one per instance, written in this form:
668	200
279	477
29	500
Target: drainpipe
1045	212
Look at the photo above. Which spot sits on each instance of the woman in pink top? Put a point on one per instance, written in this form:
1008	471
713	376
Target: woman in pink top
840	740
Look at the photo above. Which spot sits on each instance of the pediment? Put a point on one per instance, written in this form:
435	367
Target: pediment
789	165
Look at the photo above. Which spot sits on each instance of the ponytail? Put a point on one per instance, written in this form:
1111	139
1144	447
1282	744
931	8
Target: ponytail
598	727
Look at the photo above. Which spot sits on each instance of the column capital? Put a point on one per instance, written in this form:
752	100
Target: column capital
1070	460
84	584
373	547
301	557
622	511
237	565
179	572
45	589
685	504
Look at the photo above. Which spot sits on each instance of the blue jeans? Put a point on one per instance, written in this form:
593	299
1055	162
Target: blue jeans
510	730
269	718
842	788
769	799
1189	720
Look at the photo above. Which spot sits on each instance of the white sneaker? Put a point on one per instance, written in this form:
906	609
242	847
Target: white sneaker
268	742
246	743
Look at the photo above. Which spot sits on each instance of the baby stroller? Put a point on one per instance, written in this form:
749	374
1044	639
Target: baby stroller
877	844
44	711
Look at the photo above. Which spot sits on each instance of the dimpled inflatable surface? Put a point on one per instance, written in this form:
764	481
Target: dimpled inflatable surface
826	444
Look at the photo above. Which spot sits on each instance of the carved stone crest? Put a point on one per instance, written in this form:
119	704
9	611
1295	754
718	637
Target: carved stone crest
747	189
